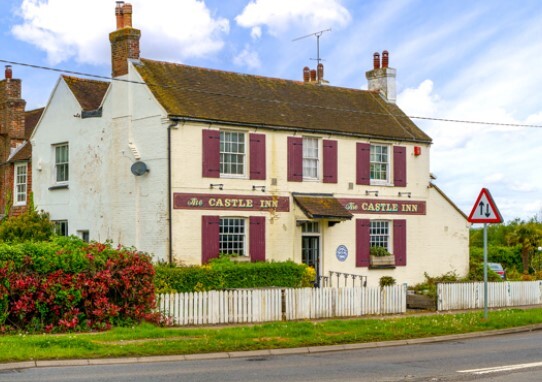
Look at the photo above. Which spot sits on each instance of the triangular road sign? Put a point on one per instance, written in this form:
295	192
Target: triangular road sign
485	210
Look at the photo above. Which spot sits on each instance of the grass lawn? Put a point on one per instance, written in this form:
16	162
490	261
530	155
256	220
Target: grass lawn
147	340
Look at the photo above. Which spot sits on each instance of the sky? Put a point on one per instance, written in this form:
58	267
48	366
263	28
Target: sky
459	60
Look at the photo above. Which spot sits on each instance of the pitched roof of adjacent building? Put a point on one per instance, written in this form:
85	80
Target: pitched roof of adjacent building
89	93
225	97
24	151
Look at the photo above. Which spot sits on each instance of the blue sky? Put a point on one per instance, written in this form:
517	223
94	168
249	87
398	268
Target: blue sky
455	59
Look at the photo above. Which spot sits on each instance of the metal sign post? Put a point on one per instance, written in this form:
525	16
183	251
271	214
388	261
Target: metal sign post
485	211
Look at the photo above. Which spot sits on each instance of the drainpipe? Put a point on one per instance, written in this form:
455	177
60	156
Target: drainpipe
169	193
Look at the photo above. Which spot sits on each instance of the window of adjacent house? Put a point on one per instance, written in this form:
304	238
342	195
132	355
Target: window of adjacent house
84	235
380	160
20	183
380	234
62	174
61	227
232	153
232	236
310	158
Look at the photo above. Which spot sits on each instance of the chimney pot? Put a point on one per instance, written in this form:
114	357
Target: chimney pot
313	75
127	14
376	60
320	69
118	14
385	59
9	73
306	74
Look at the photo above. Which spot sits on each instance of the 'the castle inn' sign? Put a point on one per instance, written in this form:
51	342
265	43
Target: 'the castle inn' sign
230	202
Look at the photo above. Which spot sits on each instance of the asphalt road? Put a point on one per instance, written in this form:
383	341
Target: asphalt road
496	358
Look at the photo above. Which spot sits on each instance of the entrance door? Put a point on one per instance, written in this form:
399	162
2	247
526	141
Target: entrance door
310	249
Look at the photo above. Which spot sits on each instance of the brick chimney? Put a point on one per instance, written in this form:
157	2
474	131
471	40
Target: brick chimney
382	77
11	110
124	41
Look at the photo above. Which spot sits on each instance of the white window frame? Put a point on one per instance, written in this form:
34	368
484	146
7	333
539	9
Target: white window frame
232	149
20	184
380	234
380	162
237	240
64	164
84	235
311	158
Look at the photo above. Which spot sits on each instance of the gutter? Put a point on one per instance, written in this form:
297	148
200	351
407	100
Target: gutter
169	197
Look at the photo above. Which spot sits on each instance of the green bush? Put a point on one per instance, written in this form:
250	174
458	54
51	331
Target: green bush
67	285
30	226
223	273
386	281
379	252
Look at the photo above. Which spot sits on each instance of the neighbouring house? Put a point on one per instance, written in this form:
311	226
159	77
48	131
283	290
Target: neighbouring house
16	126
187	163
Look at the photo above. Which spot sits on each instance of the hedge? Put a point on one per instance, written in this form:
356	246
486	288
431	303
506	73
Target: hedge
67	285
223	273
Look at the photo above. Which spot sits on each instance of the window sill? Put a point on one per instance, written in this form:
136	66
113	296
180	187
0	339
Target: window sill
382	267
59	187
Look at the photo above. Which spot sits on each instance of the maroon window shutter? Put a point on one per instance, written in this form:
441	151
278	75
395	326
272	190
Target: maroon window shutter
363	232
330	161
399	166
363	163
257	238
210	238
257	156
295	159
211	154
399	242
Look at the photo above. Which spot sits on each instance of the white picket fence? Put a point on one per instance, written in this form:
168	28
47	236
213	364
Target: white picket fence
454	296
263	305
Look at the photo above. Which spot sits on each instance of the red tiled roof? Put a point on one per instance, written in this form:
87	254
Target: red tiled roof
31	119
89	93
213	95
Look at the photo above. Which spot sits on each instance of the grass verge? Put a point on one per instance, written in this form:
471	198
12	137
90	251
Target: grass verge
147	340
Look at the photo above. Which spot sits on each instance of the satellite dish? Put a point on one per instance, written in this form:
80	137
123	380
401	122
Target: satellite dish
139	168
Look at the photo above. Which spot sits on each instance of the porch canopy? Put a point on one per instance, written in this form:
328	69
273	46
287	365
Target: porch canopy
321	206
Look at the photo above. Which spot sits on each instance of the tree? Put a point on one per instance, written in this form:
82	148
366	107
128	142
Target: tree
31	225
529	236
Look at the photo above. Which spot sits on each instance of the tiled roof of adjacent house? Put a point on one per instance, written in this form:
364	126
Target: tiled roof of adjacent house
24	151
89	93
226	97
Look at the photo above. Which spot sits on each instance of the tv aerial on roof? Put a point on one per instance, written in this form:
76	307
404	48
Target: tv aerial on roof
317	34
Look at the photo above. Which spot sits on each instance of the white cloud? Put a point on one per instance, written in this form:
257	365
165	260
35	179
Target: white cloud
419	101
256	33
279	15
248	58
79	29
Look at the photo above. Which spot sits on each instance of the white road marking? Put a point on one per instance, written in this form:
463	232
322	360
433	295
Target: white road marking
501	368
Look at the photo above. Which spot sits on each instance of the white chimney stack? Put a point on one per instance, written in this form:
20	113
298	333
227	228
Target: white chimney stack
382	77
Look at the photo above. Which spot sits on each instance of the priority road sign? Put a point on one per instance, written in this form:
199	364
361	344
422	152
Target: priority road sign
485	210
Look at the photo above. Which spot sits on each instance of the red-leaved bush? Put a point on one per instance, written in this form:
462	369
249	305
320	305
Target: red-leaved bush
69	285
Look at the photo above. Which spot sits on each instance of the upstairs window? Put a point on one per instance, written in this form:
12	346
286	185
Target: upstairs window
62	170
310	158
20	182
380	163
232	153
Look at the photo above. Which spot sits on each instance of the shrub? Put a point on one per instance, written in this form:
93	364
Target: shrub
29	226
67	284
386	281
222	273
379	252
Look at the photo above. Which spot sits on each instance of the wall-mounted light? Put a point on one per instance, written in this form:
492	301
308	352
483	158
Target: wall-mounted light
404	193
254	188
220	186
367	192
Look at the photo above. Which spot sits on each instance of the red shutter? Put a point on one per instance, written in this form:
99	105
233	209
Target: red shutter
363	232
257	156
399	242
330	161
257	238
363	163
295	159
210	238
211	154
399	166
